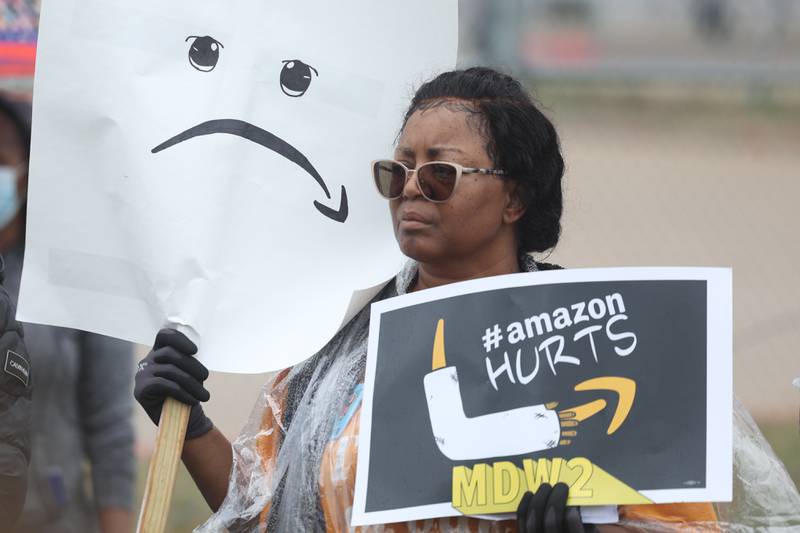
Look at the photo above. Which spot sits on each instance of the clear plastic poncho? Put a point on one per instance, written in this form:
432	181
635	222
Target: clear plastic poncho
276	483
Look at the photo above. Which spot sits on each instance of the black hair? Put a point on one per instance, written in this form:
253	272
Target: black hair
520	140
19	114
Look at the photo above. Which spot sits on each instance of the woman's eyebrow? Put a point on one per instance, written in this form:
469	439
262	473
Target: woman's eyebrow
405	151
435	152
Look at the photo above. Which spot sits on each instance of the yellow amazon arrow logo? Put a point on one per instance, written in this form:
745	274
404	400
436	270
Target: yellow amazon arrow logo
625	389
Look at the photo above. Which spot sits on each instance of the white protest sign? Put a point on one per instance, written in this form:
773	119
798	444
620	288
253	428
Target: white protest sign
205	164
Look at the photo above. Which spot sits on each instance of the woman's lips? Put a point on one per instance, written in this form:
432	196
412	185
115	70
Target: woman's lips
411	220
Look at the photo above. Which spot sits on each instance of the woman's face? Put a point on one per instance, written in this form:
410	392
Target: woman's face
481	208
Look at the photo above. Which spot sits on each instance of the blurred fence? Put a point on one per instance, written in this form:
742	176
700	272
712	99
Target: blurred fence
719	41
753	41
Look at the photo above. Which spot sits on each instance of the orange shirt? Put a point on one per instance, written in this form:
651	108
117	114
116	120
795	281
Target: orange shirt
337	486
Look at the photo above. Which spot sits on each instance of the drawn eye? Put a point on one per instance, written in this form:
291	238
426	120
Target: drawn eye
204	52
296	77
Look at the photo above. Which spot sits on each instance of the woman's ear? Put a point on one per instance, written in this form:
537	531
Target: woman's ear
515	207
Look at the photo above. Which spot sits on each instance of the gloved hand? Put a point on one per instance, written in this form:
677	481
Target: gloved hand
170	370
546	511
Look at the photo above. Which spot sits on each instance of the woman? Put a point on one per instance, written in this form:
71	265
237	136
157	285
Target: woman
482	216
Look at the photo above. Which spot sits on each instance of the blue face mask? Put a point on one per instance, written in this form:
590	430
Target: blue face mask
9	199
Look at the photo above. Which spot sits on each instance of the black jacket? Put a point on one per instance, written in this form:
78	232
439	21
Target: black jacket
15	411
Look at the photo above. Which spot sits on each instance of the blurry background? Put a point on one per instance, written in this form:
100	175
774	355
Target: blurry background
680	124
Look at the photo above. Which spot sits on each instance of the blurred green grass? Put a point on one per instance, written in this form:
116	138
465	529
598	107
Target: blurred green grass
190	510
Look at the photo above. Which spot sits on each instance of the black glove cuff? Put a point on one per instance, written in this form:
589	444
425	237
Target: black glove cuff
199	423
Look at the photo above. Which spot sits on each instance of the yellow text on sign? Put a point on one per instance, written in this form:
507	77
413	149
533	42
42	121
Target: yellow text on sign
498	487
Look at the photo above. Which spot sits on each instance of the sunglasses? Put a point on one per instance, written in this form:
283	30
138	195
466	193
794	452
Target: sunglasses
437	180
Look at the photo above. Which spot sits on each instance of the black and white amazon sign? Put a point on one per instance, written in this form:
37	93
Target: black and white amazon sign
617	382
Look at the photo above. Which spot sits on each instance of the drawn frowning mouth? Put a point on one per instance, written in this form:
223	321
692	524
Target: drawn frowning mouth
268	140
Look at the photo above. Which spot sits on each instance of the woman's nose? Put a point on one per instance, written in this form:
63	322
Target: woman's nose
411	187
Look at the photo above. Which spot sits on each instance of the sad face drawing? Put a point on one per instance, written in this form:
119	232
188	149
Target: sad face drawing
295	80
206	166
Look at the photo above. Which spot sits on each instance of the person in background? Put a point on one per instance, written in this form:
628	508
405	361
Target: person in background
16	385
81	426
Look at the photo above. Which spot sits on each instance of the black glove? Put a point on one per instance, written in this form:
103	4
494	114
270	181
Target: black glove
547	512
170	370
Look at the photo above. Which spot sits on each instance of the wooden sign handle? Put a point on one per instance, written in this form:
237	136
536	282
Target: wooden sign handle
163	467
